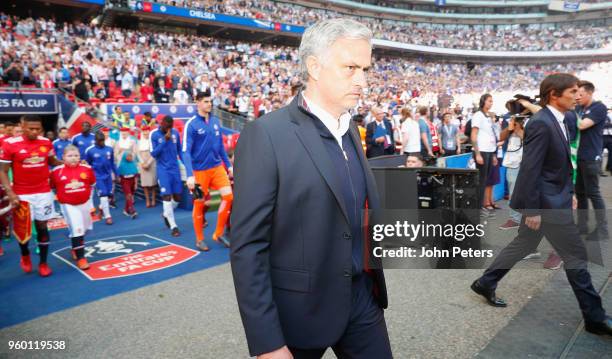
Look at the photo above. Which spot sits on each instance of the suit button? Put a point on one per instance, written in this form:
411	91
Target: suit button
346	236
347	273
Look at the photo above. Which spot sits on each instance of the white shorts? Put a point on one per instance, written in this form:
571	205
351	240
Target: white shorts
78	218
41	205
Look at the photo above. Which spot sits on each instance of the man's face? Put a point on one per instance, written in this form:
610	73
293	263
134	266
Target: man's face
412	162
205	105
340	72
378	115
166	126
31	129
583	97
86	127
567	100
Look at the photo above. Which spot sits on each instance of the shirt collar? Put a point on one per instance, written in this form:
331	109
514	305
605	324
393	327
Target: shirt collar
337	127
558	115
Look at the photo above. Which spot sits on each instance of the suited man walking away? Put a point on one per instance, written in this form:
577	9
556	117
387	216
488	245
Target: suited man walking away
543	193
379	135
301	184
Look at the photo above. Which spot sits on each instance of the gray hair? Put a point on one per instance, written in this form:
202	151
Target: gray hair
320	36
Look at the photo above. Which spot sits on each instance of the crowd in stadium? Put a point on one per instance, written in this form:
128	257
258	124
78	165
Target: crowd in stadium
246	78
507	38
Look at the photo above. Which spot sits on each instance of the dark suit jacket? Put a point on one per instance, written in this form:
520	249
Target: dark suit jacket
378	149
161	96
544	184
289	249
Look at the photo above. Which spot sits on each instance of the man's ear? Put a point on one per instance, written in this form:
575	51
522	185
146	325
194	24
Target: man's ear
314	67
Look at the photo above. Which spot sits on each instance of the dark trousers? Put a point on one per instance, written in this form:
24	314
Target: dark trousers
607	143
565	239
366	333
587	188
483	171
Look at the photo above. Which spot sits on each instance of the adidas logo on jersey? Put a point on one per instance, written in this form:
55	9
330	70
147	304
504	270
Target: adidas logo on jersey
63	178
23	151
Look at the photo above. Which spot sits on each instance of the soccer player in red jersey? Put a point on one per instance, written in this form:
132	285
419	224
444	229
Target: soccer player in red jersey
29	156
72	182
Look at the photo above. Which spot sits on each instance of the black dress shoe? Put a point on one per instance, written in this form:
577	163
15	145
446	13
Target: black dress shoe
604	327
488	294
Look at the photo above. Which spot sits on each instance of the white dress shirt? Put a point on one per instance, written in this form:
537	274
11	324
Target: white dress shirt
337	127
559	117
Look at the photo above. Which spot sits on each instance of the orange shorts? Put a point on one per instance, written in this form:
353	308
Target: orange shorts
215	178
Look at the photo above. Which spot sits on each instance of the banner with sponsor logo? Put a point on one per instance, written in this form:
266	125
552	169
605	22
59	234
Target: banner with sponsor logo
20	103
155	8
122	256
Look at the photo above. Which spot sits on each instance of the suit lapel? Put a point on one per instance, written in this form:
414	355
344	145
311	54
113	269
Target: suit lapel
310	138
560	133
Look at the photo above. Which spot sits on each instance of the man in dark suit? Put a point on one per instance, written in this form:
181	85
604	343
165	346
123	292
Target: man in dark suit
301	186
544	194
379	135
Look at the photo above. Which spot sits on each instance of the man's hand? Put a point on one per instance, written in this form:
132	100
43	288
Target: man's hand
442	150
191	183
479	159
511	124
168	135
13	199
282	353
533	222
430	153
230	171
574	202
380	139
495	159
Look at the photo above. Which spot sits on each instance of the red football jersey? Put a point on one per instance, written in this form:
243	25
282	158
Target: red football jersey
73	184
30	163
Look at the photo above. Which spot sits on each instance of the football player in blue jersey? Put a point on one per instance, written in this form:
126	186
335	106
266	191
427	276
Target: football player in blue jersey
166	148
